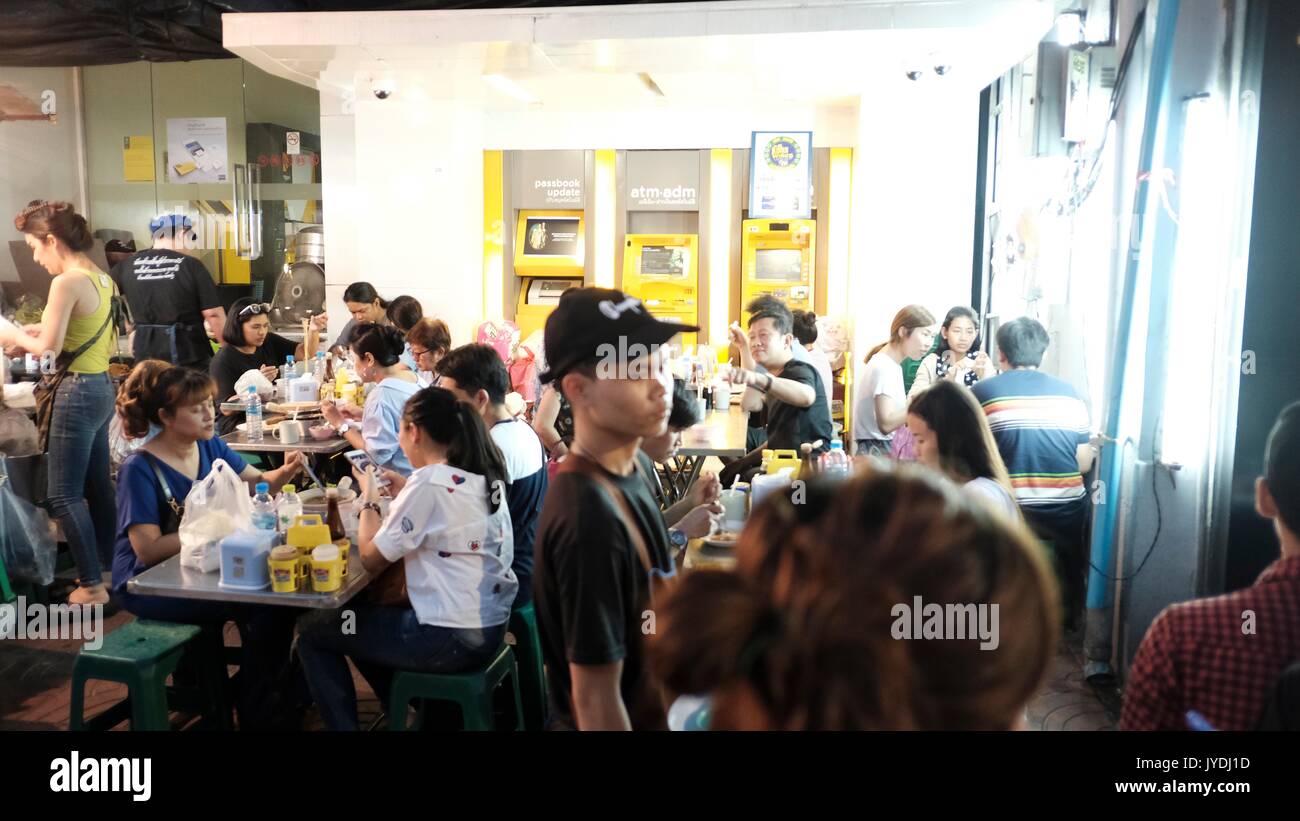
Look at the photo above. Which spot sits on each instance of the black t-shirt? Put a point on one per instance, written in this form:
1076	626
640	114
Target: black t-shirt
230	363
592	592
165	288
789	426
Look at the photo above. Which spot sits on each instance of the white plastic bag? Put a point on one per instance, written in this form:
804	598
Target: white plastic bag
255	378
217	506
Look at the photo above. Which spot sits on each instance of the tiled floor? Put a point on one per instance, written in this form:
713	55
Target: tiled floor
34	690
1067	701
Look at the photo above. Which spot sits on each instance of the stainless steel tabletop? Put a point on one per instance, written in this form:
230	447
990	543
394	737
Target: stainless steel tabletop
239	441
722	433
168	578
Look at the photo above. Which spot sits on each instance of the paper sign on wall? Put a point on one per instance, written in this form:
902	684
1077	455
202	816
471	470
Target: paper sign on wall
137	159
196	150
293	142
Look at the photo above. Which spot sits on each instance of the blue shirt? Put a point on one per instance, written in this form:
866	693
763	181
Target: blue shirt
140	499
526	466
381	421
1038	422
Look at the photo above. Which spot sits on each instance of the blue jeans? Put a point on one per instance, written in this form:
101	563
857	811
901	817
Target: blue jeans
381	640
80	491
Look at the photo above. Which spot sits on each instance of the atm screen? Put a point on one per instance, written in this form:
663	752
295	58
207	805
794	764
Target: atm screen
664	260
778	264
552	237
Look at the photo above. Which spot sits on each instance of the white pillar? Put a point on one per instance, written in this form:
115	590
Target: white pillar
405	211
913	206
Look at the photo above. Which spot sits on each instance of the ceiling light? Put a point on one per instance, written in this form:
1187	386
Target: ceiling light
1069	28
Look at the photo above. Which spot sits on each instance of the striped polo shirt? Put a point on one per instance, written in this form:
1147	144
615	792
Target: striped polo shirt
1038	422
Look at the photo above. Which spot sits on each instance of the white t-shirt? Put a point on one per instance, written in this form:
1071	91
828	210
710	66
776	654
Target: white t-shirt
457	555
520	447
882	376
993	495
822	363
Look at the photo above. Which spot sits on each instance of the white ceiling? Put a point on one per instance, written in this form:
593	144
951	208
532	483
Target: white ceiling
823	52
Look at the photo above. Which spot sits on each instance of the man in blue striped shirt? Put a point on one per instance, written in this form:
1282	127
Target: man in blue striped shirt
1041	427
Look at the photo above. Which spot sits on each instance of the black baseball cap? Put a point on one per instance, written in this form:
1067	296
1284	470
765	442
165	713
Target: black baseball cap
587	318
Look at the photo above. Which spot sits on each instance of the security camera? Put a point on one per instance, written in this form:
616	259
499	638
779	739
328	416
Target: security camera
383	85
915	74
942	70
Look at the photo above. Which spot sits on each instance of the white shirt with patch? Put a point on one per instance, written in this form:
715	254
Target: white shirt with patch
457	554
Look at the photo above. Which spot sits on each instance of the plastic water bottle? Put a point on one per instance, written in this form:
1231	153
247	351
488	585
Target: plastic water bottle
318	369
290	369
835	460
263	508
287	508
254	415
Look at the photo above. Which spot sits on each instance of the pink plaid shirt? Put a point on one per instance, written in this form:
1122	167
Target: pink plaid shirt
1206	655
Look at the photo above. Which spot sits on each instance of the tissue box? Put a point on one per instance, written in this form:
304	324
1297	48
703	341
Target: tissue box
304	389
243	559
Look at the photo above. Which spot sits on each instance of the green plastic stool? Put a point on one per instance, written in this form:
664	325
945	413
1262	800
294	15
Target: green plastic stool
141	655
6	593
532	676
472	691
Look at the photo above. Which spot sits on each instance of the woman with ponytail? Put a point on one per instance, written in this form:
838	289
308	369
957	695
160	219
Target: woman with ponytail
376	359
76	327
881	404
450	527
816	630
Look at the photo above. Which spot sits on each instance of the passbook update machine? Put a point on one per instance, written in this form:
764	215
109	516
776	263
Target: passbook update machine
778	258
549	261
662	270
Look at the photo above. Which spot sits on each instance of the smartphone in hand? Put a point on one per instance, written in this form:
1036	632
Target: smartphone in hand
361	461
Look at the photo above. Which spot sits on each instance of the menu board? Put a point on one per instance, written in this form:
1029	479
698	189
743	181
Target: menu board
780	175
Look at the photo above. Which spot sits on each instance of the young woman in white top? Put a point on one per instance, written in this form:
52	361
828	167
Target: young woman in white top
959	358
451	528
881	404
952	435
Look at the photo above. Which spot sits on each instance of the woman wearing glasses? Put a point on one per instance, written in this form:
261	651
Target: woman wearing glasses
428	341
250	345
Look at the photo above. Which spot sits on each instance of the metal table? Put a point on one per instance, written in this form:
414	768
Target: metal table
722	434
168	578
239	441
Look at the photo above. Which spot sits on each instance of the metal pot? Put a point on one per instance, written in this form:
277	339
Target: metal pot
309	245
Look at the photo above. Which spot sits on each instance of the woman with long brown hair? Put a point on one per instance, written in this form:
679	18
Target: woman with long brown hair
817	628
952	435
77	325
881	405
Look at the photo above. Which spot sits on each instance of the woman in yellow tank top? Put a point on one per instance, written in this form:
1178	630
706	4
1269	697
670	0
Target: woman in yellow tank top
80	303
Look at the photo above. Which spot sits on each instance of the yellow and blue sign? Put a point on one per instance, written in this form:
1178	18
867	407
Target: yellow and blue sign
780	175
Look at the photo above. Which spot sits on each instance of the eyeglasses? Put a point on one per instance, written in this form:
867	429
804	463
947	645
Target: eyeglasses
418	353
256	308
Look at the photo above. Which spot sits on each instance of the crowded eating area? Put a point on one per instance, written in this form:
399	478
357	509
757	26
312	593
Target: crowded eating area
696	425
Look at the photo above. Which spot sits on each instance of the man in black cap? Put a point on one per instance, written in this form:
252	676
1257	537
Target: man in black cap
171	295
602	547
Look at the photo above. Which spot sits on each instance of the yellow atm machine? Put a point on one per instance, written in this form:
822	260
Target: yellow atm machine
778	257
662	270
548	261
